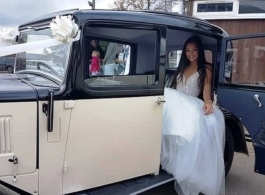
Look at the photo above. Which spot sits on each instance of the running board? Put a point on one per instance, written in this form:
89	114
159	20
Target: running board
132	186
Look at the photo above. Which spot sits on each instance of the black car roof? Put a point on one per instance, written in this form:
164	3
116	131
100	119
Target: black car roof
157	17
46	18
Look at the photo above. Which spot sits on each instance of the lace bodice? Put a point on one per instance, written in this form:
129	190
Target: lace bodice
191	86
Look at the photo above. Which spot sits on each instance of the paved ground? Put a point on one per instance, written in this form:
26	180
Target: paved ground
242	180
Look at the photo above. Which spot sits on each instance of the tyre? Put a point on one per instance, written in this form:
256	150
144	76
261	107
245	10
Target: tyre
229	150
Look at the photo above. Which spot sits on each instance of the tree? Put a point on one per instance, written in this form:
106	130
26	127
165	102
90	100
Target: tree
188	6
138	5
162	5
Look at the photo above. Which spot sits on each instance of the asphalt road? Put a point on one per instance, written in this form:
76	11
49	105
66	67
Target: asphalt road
242	180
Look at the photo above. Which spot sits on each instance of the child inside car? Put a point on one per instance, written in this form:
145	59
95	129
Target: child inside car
95	63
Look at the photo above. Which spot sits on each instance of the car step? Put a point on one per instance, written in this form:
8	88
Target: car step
131	187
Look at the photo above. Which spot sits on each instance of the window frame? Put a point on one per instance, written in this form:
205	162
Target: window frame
225	15
196	13
128	90
214	3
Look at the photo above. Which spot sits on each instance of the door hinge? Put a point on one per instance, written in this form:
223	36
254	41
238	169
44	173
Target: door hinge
14	160
69	104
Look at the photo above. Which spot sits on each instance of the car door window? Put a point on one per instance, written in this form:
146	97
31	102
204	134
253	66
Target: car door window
244	62
120	56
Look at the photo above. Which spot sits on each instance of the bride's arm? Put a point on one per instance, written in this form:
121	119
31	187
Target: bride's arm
207	91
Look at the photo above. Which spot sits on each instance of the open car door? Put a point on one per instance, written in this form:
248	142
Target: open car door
241	87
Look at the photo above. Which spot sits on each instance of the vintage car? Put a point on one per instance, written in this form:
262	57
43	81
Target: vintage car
71	132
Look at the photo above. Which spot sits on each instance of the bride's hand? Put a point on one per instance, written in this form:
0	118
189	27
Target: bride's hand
208	107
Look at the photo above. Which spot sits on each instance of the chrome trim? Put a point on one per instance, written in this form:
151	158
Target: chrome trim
153	186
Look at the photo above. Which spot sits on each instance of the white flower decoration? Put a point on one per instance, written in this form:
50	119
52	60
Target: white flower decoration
7	36
64	28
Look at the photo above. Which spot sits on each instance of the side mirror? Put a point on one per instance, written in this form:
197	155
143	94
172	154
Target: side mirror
48	109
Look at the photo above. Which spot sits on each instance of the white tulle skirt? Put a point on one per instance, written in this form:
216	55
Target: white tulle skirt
193	144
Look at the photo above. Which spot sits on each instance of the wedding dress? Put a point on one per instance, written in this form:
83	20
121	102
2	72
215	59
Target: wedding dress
192	143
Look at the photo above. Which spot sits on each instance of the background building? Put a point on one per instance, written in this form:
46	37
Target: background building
237	17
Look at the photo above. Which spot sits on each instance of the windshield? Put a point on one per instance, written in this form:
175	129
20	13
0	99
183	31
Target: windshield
47	60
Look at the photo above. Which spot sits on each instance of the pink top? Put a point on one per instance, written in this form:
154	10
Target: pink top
95	66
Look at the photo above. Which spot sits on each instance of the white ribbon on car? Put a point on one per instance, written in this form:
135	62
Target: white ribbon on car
64	30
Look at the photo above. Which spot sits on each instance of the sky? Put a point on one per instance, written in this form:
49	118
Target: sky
17	12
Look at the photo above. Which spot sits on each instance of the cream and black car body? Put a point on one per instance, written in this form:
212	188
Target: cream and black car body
65	131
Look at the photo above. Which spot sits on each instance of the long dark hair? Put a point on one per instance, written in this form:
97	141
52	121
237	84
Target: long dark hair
184	63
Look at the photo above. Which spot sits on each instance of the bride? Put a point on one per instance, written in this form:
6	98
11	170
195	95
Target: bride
193	130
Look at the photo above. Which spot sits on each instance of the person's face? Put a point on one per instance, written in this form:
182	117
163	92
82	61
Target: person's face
192	52
93	43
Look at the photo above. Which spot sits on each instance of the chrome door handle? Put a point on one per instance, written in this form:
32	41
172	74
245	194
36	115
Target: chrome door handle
256	97
159	101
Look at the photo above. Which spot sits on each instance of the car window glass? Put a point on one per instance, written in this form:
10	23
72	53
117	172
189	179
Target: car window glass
244	62
120	56
49	60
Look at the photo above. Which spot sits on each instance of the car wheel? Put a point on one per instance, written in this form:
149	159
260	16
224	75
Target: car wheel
229	150
9	69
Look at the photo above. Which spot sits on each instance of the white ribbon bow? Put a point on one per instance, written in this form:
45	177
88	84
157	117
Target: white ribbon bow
63	28
7	36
